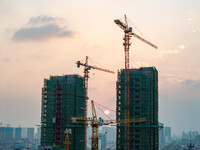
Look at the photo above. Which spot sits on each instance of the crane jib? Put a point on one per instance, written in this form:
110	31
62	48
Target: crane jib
142	39
93	67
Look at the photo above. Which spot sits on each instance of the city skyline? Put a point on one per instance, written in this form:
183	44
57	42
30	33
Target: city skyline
29	53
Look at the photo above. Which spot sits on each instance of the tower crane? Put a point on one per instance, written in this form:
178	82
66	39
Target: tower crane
128	33
95	123
88	67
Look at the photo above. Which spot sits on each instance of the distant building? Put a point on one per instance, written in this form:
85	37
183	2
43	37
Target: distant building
189	135
192	135
30	134
184	136
197	139
6	133
89	134
167	135
62	98
161	135
38	134
143	103
24	133
18	133
2	133
9	133
111	133
103	139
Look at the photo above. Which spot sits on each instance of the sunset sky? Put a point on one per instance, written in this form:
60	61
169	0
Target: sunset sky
46	37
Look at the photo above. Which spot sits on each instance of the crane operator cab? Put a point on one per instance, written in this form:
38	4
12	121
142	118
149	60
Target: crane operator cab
100	121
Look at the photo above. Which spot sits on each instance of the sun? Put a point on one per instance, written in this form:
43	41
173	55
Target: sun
106	112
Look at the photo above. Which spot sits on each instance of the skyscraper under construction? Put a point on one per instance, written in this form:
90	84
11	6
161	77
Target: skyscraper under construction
143	103
62	98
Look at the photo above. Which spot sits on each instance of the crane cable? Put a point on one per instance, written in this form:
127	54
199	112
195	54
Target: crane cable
95	63
135	27
103	112
104	107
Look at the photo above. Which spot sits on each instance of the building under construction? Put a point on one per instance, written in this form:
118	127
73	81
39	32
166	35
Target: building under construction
143	103
62	98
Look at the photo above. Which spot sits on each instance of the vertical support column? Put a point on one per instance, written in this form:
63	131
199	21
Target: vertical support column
126	49
94	144
86	76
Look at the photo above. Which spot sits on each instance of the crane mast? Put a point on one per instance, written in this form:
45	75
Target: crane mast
95	126
86	76
126	49
127	37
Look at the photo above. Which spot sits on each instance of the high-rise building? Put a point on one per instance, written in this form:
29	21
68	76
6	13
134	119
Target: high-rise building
62	98
30	134
143	103
18	133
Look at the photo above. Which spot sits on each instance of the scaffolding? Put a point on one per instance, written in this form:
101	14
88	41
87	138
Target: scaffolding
143	103
62	98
